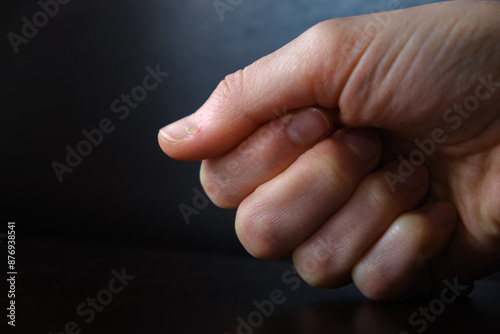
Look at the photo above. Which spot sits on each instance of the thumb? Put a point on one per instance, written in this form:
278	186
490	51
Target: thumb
292	77
374	68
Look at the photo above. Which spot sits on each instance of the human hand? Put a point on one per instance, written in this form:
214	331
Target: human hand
426	81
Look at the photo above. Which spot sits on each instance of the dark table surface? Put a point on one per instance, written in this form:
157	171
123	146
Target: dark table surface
164	291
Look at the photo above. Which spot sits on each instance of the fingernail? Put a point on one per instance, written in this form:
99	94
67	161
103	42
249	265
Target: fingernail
443	213
308	126
180	130
365	145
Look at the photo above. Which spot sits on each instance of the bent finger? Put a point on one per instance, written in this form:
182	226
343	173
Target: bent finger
401	258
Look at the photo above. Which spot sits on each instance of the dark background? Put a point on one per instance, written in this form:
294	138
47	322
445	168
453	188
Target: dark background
119	208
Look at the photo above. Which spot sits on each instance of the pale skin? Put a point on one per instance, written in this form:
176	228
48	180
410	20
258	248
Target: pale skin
301	142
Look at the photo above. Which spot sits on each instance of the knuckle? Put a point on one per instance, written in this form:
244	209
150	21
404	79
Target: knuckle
376	283
313	272
376	289
323	267
256	233
217	186
230	88
319	31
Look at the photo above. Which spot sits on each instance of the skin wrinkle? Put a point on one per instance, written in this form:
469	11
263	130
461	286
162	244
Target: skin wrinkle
324	67
397	67
281	63
419	98
395	60
347	86
256	229
340	259
442	50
